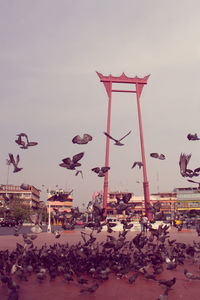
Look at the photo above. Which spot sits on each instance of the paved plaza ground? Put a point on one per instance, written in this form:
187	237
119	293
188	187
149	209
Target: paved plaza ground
116	289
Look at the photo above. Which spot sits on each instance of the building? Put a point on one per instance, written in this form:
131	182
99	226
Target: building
168	203
27	195
188	199
138	202
61	200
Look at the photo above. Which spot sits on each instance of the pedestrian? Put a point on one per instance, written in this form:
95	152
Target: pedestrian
143	223
198	227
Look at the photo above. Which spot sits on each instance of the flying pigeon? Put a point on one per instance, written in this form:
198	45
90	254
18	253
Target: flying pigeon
183	162
117	142
25	186
24	143
78	140
190	173
79	172
193	137
194	182
71	164
15	162
20	141
137	163
90	207
101	171
156	155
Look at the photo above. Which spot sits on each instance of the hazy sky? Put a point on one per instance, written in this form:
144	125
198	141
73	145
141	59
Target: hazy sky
49	54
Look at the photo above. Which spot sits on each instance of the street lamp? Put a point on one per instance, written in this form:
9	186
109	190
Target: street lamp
49	214
6	199
49	220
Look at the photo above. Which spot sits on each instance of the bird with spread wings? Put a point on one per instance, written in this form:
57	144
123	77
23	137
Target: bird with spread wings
117	142
193	137
71	164
23	141
81	141
137	163
14	162
101	171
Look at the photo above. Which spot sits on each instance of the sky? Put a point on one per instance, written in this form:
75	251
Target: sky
49	54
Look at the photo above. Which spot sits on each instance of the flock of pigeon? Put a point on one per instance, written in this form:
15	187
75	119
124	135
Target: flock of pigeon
74	162
89	263
183	161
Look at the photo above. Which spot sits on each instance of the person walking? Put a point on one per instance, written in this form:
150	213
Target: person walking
144	223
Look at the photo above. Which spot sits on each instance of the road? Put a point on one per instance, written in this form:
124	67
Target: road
25	229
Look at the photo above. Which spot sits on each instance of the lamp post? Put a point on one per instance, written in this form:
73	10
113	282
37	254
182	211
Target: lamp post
8	162
49	220
139	84
49	215
49	212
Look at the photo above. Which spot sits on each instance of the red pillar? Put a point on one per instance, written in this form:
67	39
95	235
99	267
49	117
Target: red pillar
145	183
139	82
105	193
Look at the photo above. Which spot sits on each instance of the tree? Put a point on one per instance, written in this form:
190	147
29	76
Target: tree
19	211
1	212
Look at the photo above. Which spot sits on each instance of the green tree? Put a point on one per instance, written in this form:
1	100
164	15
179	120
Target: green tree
44	214
1	212
18	210
21	213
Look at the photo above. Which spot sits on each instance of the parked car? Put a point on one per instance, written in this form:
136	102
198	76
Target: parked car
79	222
8	223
